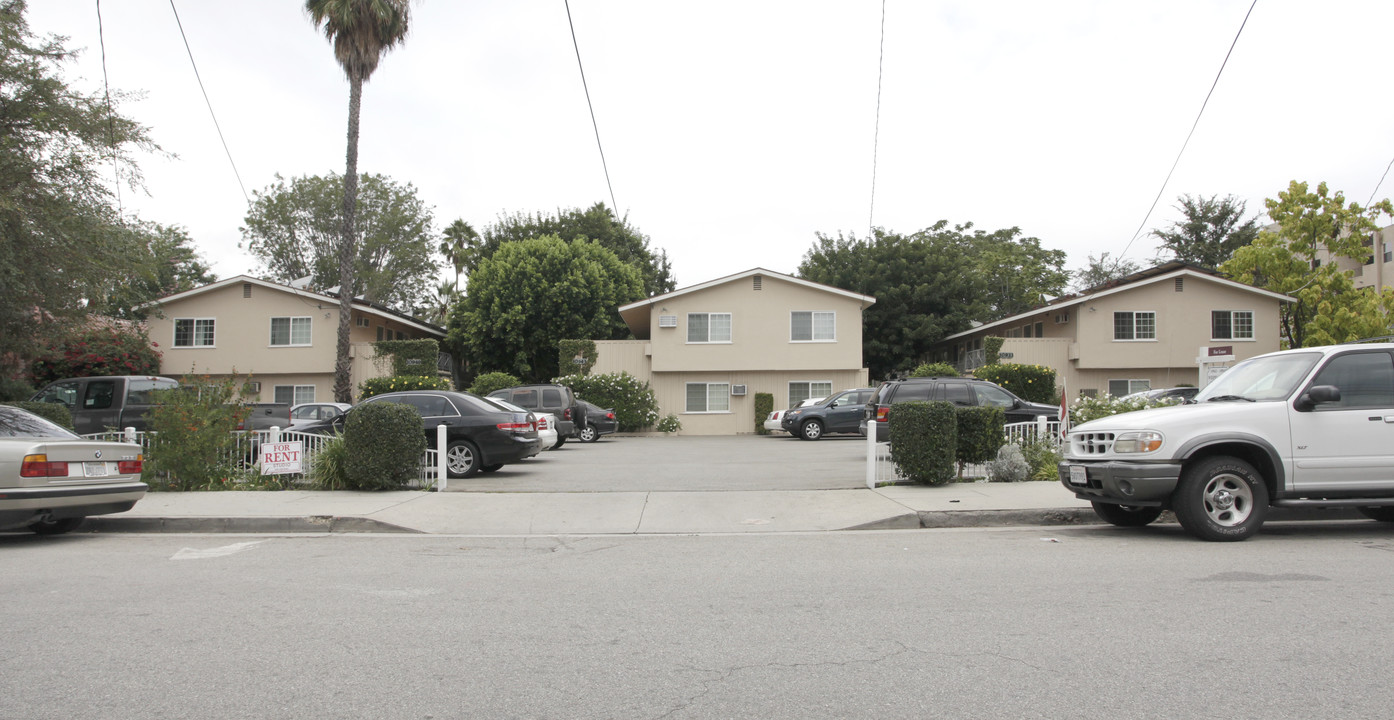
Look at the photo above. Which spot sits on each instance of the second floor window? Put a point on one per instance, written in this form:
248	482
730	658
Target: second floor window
1232	325
193	332
709	327
290	331
1135	325
813	327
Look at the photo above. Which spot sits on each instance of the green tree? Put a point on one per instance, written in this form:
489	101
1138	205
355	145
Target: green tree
1315	225
529	295
294	229
597	224
162	262
1101	270
59	227
114	349
360	31
1017	272
460	245
1210	233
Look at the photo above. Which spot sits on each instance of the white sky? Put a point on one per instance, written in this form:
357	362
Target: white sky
736	130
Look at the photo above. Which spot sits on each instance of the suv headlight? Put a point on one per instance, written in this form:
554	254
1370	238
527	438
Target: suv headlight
1143	441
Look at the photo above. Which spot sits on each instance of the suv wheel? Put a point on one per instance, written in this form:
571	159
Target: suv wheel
589	434
1126	515
811	430
1220	499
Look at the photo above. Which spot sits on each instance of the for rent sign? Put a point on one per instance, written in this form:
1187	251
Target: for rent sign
282	457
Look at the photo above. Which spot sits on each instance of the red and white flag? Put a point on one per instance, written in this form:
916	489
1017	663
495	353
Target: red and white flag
1064	411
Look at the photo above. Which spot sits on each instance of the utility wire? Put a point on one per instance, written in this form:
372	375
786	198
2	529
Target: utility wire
1194	125
110	122
1381	182
876	133
208	102
594	124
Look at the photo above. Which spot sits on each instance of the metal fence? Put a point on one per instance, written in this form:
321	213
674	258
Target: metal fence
1022	433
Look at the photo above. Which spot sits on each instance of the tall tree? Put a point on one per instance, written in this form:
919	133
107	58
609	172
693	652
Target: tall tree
459	244
1017	273
596	223
294	229
1102	270
59	224
1210	233
162	261
1314	228
361	31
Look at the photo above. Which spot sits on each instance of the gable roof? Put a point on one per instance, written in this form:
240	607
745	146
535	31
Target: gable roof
636	314
1160	273
363	306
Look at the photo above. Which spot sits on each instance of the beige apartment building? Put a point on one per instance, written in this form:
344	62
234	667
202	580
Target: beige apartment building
283	337
708	349
1148	330
1375	270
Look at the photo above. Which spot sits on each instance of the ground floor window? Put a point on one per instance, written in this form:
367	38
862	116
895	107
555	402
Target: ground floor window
708	397
801	390
1119	388
295	394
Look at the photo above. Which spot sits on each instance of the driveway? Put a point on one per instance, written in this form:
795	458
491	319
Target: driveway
672	464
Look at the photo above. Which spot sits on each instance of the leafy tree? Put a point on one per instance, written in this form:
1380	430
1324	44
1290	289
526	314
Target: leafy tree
1017	272
361	31
529	295
163	262
58	221
597	224
1316	225
1212	231
1102	270
294	229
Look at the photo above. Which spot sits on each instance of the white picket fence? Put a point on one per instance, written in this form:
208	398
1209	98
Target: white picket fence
1020	433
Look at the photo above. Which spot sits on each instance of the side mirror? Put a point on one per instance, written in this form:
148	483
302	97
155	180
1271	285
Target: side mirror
1317	395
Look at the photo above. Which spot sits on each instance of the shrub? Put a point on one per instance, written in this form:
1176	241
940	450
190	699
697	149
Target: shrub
923	440
398	383
98	351
764	405
992	350
938	369
12	389
1010	465
1035	383
980	434
1092	408
1043	456
191	440
489	382
328	471
385	443
55	413
569	350
633	400
410	357
669	423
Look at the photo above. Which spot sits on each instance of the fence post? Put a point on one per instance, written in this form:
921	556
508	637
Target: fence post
275	435
441	474
130	434
871	453
1042	427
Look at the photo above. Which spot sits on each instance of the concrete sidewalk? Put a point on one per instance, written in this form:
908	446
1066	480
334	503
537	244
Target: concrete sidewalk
601	513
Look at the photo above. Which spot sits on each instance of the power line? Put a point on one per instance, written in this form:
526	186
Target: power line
1381	182
876	133
594	124
110	122
209	103
1194	125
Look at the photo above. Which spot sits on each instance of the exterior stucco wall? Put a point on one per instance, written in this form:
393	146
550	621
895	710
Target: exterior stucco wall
671	392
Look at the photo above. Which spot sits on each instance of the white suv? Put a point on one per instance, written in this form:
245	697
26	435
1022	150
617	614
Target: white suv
1300	428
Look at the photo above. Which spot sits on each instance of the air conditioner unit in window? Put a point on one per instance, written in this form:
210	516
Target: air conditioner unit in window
738	390
667	321
254	386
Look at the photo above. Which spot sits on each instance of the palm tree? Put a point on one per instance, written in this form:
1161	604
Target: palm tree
361	31
460	246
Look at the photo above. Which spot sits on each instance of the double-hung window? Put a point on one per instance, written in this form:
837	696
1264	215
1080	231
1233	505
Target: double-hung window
709	327
193	332
801	390
1232	324
1119	388
813	326
294	394
708	397
1135	325
290	331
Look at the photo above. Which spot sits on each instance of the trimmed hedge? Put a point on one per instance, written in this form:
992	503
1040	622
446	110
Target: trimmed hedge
410	357
938	369
55	413
924	436
384	442
981	431
398	383
992	350
567	350
1035	383
764	405
491	381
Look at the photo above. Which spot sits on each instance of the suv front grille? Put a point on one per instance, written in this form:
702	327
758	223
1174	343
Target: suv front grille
1096	443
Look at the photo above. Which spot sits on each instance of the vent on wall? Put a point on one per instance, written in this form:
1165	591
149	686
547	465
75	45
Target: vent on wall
246	289
738	390
758	279
1179	284
667	321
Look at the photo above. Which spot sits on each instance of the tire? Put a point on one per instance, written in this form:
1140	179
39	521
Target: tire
561	440
811	430
589	434
490	468
1126	515
56	527
1220	499
1380	513
461	459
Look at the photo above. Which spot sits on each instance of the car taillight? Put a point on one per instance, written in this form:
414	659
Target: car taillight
566	414
39	466
517	427
131	467
609	416
883	413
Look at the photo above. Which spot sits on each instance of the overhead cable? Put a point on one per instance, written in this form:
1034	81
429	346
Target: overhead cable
591	107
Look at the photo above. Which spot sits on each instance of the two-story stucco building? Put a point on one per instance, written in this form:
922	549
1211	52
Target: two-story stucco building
284	337
708	349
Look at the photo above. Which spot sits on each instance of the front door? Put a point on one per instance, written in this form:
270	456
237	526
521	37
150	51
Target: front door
1347	446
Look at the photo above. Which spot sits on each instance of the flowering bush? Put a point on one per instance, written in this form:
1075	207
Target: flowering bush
1035	383
192	445
633	400
398	383
1092	408
669	423
98	351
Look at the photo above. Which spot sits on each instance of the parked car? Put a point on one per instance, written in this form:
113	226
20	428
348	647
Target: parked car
773	420
555	399
840	413
480	436
963	392
50	478
599	421
306	413
106	402
1184	393
546	423
264	416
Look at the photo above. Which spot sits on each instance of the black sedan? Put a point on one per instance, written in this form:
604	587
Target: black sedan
599	421
481	436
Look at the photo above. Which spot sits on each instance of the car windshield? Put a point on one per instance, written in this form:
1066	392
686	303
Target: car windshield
18	423
1262	379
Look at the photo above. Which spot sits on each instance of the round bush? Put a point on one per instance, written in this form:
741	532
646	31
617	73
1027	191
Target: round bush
924	438
489	382
384	441
935	370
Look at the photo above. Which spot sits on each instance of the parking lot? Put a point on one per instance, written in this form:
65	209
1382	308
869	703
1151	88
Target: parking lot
670	464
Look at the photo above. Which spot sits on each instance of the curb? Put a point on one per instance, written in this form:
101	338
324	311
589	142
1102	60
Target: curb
271	525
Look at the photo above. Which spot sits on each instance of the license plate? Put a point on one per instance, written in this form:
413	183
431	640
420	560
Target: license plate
1078	475
94	469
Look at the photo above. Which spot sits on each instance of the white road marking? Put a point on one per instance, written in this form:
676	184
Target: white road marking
192	554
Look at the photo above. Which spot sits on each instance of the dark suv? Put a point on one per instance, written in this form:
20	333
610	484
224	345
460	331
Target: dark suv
841	413
964	392
555	399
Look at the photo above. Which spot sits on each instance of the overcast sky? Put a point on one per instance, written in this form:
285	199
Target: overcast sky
734	131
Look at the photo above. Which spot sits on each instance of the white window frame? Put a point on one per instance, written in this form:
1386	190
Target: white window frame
1134	385
1233	317
1135	314
713	390
299	394
194	334
809	390
730	332
813	326
290	331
